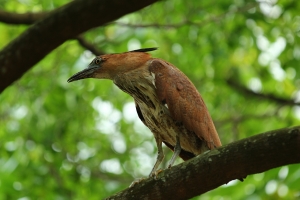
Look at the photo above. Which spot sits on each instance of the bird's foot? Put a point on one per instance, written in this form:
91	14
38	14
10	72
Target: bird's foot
155	174
136	182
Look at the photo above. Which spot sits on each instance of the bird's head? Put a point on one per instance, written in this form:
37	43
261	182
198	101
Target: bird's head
109	65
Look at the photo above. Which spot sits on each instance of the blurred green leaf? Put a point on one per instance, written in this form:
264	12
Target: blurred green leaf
84	140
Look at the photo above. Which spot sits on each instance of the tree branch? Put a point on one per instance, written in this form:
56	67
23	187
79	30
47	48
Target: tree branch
30	18
62	24
24	18
271	97
89	46
210	170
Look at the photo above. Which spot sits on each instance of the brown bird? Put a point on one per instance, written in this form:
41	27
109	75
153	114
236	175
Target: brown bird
166	101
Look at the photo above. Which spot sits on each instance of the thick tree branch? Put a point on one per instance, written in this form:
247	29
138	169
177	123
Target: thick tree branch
270	97
62	24
24	18
30	18
210	170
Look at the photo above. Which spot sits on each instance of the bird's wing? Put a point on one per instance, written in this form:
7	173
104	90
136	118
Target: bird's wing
184	102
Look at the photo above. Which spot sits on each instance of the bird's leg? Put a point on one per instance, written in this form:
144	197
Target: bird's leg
160	156
177	150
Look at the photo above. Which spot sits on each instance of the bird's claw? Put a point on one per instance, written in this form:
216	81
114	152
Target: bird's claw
136	182
155	174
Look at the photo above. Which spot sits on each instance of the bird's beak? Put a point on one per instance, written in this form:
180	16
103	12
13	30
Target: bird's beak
86	73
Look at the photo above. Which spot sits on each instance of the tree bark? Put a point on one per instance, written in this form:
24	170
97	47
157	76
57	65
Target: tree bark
55	28
210	170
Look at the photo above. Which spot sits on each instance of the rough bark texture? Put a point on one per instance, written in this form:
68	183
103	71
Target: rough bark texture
252	155
55	28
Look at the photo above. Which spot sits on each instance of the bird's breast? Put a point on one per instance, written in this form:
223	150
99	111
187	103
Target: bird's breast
156	116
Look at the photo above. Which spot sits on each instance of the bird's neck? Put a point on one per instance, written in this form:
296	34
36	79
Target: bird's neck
127	63
137	82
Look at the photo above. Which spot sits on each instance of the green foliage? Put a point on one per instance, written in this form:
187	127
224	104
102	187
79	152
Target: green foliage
84	140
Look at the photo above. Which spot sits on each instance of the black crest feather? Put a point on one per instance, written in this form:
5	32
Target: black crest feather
145	49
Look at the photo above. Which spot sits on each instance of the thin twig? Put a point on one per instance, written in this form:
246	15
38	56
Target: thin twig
89	46
267	96
188	22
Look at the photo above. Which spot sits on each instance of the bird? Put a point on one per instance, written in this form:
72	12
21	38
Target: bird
166	101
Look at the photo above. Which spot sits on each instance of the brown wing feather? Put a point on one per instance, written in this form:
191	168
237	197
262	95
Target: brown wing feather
184	101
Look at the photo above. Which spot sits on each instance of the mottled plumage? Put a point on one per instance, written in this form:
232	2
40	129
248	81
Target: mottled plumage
166	101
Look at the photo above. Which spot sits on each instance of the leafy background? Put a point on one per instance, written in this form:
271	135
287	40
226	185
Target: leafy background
84	140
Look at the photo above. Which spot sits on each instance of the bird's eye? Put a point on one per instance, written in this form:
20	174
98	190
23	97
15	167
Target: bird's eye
97	61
